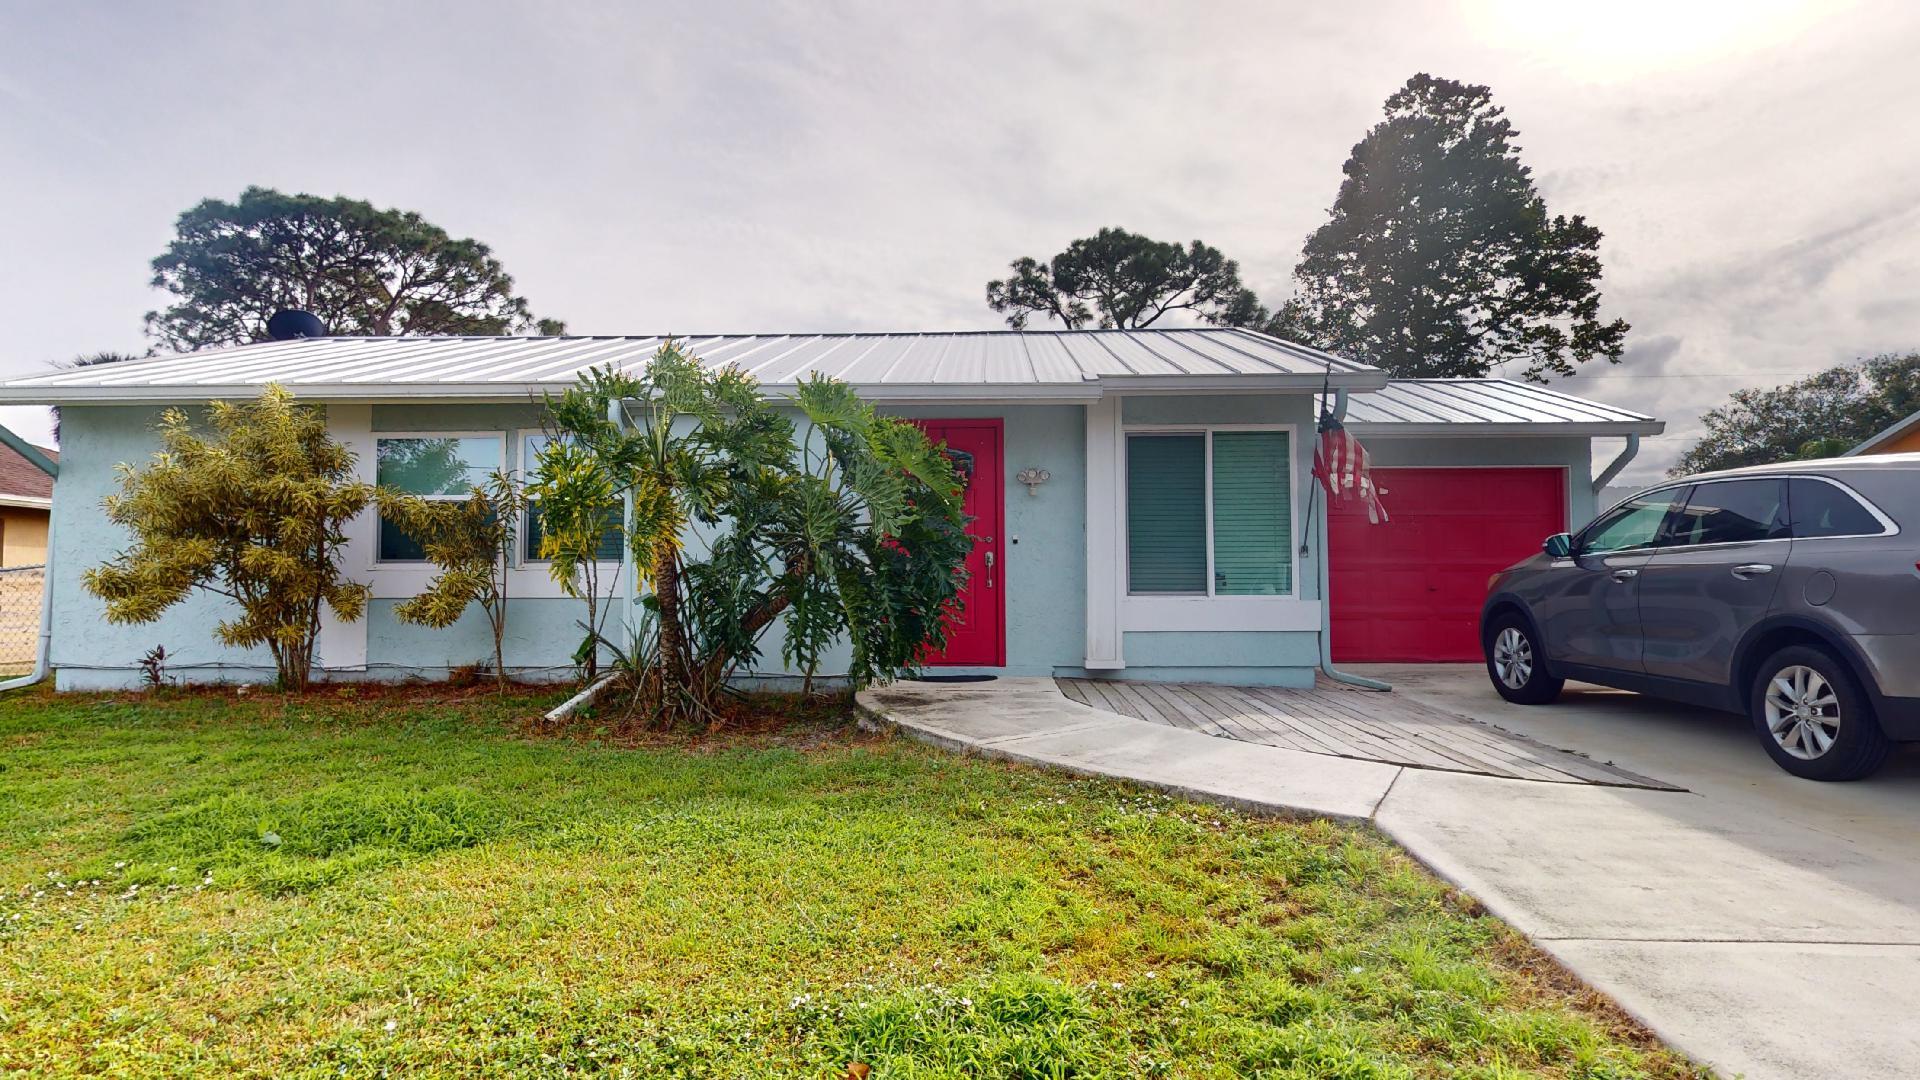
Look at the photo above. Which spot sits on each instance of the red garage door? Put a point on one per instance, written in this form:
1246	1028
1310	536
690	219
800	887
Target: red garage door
1411	589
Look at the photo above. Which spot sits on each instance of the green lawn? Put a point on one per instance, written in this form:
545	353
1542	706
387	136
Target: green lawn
332	886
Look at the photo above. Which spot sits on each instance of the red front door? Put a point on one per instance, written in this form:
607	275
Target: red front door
1411	589
977	628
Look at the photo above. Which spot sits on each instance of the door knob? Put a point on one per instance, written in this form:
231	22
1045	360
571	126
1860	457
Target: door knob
1752	569
1625	573
989	569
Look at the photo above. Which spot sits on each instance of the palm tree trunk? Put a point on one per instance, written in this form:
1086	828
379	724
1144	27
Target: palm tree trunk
674	662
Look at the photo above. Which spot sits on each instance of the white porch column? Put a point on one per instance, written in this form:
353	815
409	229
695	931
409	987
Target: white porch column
342	646
1106	532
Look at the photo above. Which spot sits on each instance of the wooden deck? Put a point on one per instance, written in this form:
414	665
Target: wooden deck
1348	722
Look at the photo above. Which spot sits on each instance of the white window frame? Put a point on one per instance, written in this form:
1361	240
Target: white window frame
506	439
1210	611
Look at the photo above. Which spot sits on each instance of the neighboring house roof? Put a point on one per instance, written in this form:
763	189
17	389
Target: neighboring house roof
1889	437
21	481
1487	407
1048	364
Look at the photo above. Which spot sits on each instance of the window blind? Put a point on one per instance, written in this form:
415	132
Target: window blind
1252	510
1166	514
612	541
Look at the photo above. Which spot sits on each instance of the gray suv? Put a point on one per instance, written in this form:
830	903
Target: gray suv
1788	592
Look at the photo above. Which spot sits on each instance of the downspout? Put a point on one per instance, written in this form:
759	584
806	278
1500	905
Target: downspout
32	453
1326	601
617	415
1607	474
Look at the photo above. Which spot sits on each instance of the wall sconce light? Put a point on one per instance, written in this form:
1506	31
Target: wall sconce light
1033	478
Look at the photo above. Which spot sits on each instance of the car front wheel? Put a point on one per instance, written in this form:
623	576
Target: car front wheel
1812	717
1515	663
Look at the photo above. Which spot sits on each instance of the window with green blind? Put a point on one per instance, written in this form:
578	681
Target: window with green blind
1232	536
1167	513
1252	514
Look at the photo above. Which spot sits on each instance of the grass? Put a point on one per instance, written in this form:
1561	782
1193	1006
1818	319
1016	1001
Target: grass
366	885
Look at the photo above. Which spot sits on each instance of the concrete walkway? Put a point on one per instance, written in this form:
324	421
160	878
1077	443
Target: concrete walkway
1729	934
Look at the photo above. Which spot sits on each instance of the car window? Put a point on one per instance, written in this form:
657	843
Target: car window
1821	509
1730	512
1632	524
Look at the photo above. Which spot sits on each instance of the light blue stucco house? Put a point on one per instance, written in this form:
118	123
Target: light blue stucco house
1143	499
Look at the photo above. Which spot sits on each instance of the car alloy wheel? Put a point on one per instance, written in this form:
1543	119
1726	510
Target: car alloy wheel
1802	712
1513	658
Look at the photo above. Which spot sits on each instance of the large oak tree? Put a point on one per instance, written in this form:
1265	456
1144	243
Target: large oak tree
362	270
1439	257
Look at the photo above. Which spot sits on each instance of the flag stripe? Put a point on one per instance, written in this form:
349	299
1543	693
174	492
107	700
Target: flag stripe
1343	467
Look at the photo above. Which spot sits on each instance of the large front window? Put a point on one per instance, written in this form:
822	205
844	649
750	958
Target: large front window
439	467
1210	513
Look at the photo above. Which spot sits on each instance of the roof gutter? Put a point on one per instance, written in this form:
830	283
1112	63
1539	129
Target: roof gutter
1607	474
1078	391
1467	429
1326	600
32	453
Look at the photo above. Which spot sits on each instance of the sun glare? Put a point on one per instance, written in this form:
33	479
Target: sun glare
1620	39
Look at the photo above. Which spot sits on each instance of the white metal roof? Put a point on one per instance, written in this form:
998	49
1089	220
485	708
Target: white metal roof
1487	407
1045	364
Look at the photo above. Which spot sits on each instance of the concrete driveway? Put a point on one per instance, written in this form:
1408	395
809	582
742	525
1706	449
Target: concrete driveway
1766	923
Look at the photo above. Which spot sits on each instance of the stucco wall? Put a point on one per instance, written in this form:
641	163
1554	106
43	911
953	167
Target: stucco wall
88	651
1044	570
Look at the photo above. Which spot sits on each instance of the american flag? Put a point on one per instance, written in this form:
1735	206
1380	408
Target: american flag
1341	465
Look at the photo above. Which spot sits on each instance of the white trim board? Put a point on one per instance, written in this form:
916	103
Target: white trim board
1218	614
1106	535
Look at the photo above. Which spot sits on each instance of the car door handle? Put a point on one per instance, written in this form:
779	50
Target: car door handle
1752	569
1625	573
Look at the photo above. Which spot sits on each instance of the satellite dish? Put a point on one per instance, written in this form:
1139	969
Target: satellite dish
288	325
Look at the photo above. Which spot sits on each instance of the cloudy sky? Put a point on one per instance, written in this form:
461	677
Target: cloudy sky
1755	165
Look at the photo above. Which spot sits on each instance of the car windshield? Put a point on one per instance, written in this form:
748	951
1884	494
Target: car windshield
1632	524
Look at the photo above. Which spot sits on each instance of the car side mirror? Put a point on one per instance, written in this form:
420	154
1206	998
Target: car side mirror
1559	546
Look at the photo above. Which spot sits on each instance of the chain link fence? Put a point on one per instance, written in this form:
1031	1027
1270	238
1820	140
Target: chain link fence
21	591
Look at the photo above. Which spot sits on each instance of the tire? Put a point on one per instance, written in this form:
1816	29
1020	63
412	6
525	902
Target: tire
1813	718
1515	663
